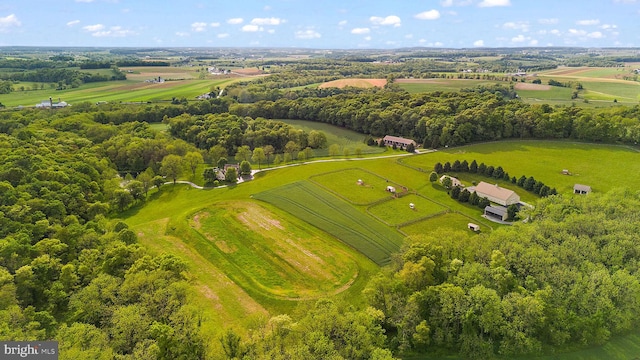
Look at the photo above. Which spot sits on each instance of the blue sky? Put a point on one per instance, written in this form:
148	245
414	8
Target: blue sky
344	24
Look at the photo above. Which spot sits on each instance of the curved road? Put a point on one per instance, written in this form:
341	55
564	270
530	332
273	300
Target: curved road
253	172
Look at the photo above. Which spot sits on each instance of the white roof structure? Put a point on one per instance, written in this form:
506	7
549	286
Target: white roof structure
454	181
496	194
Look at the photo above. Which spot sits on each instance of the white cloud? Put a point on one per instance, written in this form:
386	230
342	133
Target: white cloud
251	28
214	24
266	21
266	8
307	34
595	35
551	21
428	15
438	44
342	23
588	22
576	32
493	3
368	38
8	22
92	28
235	21
555	32
360	31
520	25
182	33
222	36
389	20
408	36
114	31
449	3
533	42
478	43
271	31
73	22
625	1
199	26
518	39
608	27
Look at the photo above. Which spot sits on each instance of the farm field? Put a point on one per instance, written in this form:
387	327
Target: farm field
278	256
336	217
449	222
361	83
345	183
119	91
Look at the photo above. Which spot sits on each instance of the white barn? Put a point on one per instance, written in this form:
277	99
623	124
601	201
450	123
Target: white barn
496	194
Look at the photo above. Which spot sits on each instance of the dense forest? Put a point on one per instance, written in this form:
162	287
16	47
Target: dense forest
67	270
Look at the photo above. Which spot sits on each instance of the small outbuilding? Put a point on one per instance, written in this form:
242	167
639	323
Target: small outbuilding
581	189
474	227
391	189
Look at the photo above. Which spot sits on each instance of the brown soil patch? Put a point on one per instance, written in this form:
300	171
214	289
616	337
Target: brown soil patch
248	71
536	87
197	218
362	83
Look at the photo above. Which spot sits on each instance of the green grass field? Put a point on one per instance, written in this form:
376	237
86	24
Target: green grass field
336	217
449	221
336	135
397	211
444	85
278	256
603	167
344	183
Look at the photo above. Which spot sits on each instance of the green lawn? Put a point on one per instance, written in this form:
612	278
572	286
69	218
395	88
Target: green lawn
397	211
447	221
345	183
336	217
445	85
603	167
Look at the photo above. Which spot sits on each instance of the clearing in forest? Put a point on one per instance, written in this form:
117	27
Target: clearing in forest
361	83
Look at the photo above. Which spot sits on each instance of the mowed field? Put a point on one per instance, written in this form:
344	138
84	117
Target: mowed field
179	82
361	83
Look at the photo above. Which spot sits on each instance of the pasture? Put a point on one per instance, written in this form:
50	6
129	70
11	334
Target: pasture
603	167
429	85
451	221
397	211
336	217
357	186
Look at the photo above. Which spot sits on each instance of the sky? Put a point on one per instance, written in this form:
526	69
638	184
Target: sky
321	24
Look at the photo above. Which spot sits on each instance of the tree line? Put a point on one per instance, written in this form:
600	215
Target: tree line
450	119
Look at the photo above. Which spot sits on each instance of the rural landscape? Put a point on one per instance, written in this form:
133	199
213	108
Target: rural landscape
420	202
